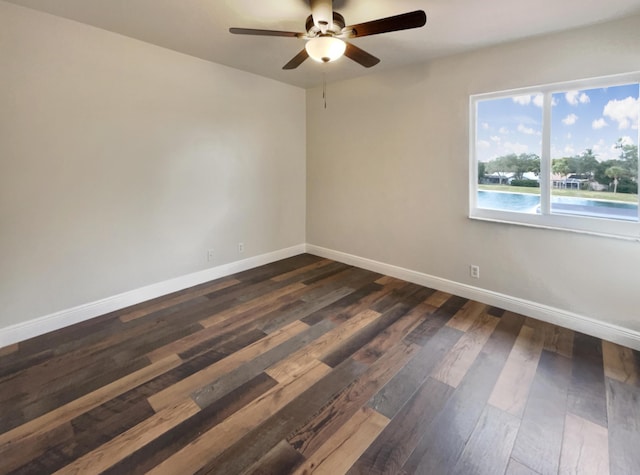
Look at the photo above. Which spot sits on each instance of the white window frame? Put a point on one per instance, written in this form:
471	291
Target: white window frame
582	224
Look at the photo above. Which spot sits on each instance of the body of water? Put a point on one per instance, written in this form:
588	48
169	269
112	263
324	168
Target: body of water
530	203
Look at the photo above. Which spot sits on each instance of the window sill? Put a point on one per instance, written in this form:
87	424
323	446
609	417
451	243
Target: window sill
621	230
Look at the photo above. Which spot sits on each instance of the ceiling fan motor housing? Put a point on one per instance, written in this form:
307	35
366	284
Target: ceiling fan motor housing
336	28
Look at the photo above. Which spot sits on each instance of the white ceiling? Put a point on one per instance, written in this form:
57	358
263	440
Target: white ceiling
200	28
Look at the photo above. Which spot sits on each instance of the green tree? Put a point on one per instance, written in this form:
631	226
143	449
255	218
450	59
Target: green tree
586	163
482	170
616	173
561	166
516	164
629	158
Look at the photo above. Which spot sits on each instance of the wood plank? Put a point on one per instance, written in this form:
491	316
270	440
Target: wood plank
623	407
387	280
264	436
310	436
338	453
397	441
540	436
280	459
504	336
24	433
487	451
9	349
232	379
468	314
585	447
252	305
516	468
436	319
116	449
397	392
269	271
302	270
512	389
181	390
323	345
162	447
445	438
330	275
188	342
495	311
66	370
298	312
587	393
620	363
363	336
210	444
409	294
169	302
389	337
438	298
432	322
350	304
461	357
559	340
15	456
342	276
17	361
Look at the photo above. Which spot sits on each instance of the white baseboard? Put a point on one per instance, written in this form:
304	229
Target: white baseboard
573	321
556	316
57	320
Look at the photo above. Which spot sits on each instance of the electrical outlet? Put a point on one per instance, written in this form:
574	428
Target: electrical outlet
474	271
210	255
240	247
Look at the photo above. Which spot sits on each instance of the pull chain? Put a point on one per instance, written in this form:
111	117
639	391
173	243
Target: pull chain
324	89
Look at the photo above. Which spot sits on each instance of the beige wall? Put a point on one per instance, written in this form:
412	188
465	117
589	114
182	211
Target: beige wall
387	176
121	163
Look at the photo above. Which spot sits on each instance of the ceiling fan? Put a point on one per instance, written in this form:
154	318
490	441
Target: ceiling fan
326	33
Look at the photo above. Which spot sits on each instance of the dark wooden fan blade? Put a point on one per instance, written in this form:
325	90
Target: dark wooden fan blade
404	21
251	31
297	60
360	56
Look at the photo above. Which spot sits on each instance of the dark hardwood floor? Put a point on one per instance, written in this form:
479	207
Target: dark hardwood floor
312	366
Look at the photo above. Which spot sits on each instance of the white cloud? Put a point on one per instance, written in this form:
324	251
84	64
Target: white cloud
576	97
624	112
569	150
516	148
503	130
485	126
484	144
572	97
538	100
597	147
626	140
526	130
570	119
569	136
522	100
599	123
496	139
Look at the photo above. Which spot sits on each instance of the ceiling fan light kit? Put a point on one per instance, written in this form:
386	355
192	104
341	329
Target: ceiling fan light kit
325	49
326	33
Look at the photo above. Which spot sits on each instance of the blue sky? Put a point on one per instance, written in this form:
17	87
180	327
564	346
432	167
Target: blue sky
581	119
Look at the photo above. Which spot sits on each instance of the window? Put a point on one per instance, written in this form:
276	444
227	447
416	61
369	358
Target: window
563	156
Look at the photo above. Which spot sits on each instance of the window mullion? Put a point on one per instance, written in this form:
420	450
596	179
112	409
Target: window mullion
545	159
